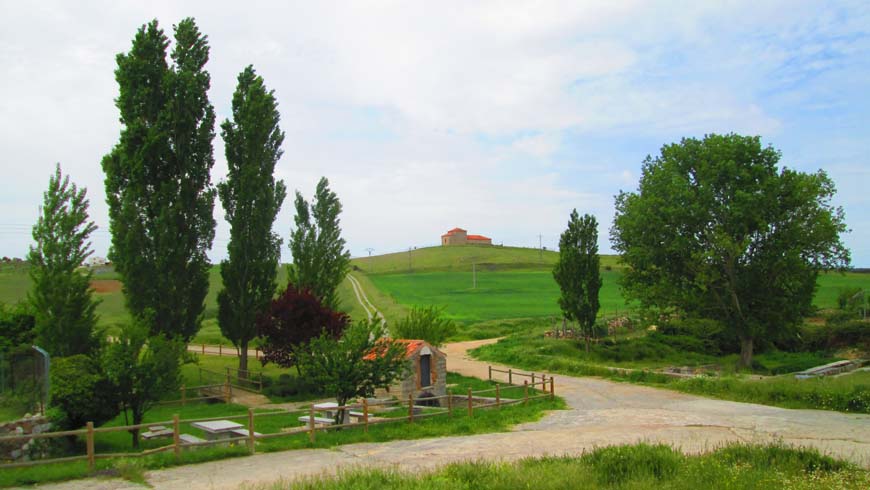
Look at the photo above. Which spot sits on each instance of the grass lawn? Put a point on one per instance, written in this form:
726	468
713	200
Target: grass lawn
639	466
483	421
10	411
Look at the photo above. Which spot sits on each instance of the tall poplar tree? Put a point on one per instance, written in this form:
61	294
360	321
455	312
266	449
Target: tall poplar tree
251	198
320	261
578	272
61	293
158	185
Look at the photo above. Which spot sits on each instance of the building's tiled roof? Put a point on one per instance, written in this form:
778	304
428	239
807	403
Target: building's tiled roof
411	347
454	230
478	237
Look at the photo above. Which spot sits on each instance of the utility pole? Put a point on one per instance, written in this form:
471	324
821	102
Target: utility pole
370	250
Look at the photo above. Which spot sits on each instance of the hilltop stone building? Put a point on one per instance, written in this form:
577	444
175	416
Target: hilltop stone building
427	373
458	236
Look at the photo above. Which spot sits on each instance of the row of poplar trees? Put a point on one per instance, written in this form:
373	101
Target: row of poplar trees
161	198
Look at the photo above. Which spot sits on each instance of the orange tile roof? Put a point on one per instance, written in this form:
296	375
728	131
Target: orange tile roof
411	347
454	230
478	237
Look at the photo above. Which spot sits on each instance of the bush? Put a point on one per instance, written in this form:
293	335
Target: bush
836	335
425	323
714	337
287	385
81	393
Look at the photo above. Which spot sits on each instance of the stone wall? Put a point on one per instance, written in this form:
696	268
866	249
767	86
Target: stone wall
21	449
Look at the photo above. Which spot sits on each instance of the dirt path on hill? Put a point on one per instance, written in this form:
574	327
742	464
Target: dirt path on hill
363	300
601	413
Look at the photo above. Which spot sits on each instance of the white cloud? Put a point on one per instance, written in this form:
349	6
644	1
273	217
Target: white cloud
432	115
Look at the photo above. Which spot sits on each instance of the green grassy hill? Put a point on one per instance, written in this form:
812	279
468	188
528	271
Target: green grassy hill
461	258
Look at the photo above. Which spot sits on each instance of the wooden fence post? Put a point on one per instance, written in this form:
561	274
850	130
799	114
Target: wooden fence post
490	373
552	389
227	392
410	408
365	415
497	397
533	379
470	404
183	395
176	436
220	350
543	383
90	446
311	424
510	376
251	431
525	392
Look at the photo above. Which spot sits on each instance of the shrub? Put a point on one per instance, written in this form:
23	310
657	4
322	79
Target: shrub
81	392
287	385
714	337
425	323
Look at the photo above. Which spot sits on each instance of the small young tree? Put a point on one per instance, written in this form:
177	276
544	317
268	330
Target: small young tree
251	199
362	361
293	319
143	369
425	323
61	293
320	261
577	272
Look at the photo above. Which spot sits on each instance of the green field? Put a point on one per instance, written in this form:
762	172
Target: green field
498	295
15	282
461	258
512	282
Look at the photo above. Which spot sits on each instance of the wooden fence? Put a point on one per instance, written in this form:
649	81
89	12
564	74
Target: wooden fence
252	382
469	401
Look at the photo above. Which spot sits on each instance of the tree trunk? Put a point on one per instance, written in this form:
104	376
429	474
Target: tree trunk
564	328
135	434
587	343
243	359
745	352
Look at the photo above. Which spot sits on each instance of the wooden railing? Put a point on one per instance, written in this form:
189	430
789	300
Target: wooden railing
471	400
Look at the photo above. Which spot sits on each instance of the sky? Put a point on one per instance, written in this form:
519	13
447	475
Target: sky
497	117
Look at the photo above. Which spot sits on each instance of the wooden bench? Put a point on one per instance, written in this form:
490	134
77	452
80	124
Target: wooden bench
317	420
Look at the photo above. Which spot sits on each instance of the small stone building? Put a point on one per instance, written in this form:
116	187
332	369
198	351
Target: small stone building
427	373
458	236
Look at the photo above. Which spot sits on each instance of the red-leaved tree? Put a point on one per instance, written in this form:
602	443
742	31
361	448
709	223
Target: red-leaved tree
293	319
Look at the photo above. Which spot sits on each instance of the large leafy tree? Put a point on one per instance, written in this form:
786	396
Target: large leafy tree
142	369
251	198
320	261
358	363
158	185
61	293
578	272
717	229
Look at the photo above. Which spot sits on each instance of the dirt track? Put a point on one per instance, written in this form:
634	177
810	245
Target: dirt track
601	413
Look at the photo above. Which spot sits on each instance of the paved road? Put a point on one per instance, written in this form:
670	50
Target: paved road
601	413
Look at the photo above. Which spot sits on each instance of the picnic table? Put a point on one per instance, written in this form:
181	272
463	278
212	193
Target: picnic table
217	430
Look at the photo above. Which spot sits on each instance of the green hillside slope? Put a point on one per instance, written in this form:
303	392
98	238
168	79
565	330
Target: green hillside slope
461	258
